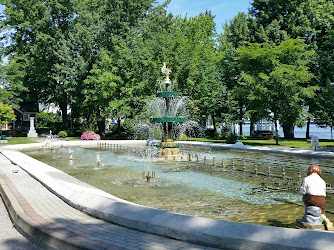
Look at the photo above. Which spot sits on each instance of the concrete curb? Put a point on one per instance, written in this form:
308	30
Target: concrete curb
209	232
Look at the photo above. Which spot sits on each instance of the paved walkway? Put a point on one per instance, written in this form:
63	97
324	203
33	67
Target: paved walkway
10	238
49	219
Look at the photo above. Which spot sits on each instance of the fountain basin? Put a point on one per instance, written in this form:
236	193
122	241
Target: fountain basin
222	234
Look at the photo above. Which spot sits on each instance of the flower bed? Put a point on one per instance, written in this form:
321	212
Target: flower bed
90	135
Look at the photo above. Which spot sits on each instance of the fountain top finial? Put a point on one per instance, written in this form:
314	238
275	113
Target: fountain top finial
166	71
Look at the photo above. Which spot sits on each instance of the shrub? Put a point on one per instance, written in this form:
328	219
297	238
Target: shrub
183	137
62	134
210	133
90	135
231	138
224	131
242	137
129	125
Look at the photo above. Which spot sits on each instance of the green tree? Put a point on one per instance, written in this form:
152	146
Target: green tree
275	76
324	116
103	88
59	42
39	38
187	46
312	20
48	120
241	29
6	114
115	67
195	65
11	83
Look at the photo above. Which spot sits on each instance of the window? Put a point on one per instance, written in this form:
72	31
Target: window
26	117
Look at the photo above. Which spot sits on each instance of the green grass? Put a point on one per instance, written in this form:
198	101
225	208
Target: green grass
289	143
20	140
26	140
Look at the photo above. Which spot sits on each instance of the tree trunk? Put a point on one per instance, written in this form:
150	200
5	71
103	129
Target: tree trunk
63	108
214	124
102	127
240	125
101	123
251	129
90	119
119	126
241	118
308	128
289	131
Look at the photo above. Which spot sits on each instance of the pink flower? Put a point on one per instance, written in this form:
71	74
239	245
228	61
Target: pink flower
90	135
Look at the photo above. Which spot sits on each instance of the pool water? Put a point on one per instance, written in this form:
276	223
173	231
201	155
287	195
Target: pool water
195	188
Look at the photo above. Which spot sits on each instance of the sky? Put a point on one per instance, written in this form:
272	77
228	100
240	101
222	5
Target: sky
224	10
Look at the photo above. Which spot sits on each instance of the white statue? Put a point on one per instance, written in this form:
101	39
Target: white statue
166	71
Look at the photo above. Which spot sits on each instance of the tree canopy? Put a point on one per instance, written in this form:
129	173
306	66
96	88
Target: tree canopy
6	113
101	59
274	76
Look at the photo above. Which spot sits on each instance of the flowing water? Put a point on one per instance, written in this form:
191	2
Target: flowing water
224	188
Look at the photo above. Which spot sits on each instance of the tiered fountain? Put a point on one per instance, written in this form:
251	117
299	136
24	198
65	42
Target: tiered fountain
168	116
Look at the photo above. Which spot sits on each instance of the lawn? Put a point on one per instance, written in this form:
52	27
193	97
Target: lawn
289	143
20	140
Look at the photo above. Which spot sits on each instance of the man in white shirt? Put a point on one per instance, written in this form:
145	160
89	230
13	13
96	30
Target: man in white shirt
313	190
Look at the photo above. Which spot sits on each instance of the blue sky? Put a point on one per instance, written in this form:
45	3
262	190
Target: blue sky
224	10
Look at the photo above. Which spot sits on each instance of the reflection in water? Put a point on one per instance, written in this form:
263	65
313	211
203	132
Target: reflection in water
191	187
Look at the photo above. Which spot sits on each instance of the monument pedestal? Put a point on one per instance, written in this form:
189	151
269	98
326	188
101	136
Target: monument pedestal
32	133
32	130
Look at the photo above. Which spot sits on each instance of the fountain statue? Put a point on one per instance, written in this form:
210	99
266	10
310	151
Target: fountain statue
47	143
168	116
